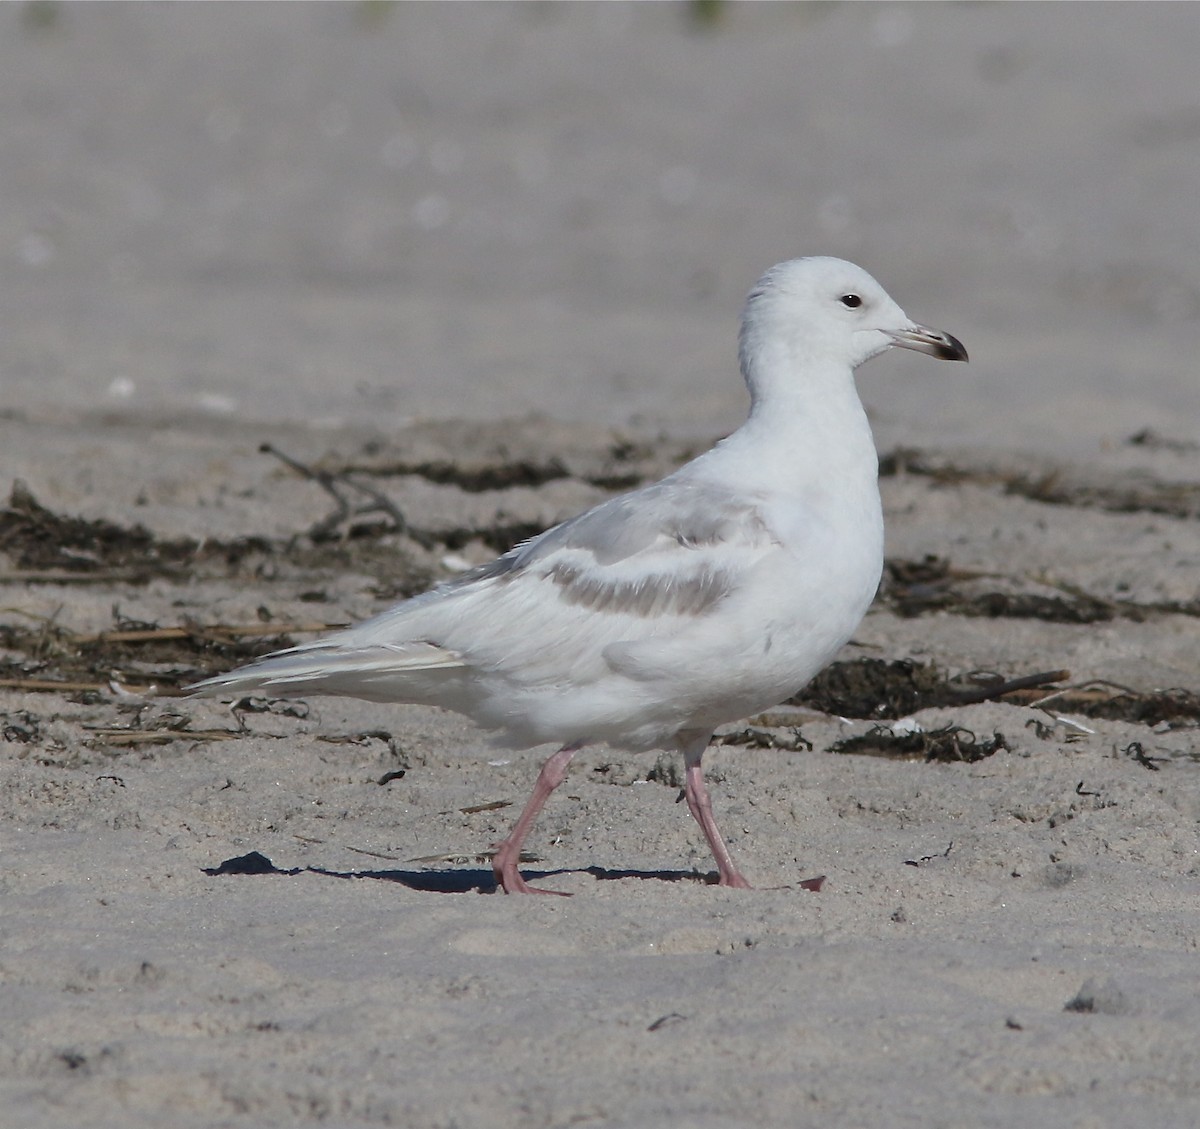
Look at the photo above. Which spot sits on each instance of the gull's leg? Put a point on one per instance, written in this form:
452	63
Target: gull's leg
693	743
508	853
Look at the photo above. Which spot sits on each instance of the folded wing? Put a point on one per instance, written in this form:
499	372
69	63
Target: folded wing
641	566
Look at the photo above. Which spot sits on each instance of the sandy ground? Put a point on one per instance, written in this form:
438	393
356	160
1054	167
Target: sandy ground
481	267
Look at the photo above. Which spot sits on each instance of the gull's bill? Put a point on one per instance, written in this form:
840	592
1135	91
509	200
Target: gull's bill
944	346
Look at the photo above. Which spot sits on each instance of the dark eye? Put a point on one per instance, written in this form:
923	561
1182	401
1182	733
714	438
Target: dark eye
850	301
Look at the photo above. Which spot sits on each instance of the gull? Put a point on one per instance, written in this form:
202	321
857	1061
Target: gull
658	615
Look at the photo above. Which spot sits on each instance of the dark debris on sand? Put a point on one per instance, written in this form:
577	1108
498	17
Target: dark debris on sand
366	531
950	744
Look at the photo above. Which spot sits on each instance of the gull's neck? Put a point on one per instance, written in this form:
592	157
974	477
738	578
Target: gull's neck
806	421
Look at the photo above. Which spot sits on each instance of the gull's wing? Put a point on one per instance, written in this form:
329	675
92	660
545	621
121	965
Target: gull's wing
636	567
674	548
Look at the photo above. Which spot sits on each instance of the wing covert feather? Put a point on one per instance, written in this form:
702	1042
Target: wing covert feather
675	548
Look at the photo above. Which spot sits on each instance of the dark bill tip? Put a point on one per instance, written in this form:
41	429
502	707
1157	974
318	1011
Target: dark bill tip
944	346
951	349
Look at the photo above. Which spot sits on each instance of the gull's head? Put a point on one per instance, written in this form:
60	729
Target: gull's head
821	310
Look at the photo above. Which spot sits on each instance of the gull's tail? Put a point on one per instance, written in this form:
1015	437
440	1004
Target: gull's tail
406	672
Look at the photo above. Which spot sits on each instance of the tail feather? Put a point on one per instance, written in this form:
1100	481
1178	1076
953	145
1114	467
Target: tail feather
321	668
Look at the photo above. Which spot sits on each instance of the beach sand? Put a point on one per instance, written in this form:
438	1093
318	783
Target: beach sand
472	269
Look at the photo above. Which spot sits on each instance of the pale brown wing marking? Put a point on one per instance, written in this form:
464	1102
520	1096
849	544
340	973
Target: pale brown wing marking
652	595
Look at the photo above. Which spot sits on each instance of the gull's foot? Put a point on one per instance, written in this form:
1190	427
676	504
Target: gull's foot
514	884
508	877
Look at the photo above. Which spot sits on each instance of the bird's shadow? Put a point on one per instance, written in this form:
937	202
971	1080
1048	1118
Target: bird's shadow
476	879
484	881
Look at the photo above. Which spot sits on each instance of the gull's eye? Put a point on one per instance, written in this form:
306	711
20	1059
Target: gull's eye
850	301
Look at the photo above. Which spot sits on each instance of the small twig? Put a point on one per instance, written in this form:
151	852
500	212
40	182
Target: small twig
493	805
216	632
372	854
476	856
323	479
164	736
1135	750
330	484
1078	593
64	576
1082	689
51	684
1073	724
999	689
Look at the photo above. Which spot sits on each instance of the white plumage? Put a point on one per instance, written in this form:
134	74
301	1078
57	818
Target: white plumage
660	614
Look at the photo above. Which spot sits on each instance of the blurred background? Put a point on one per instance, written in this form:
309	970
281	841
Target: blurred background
367	213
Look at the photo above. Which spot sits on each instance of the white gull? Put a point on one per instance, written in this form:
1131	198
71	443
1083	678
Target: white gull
658	615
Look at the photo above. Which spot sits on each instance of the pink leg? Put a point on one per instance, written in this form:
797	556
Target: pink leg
693	745
508	853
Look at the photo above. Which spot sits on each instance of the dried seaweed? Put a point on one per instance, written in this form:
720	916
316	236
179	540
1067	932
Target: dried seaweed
1174	707
878	689
758	737
362	529
951	744
933	584
37	539
1124	492
58	659
499	475
914	588
19	726
874	688
1150	439
43	544
487	461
